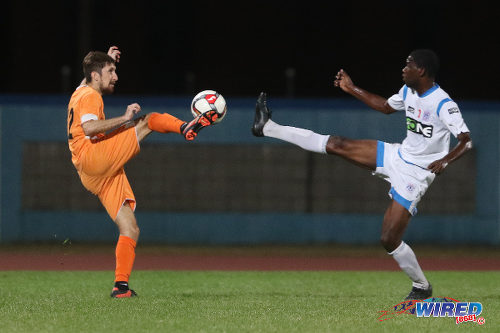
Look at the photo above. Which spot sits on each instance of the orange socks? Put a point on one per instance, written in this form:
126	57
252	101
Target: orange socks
125	255
164	123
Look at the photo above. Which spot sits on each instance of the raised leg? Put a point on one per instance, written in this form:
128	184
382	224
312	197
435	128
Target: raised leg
360	152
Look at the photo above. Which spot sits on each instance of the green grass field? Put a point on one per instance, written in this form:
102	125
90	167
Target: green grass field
173	301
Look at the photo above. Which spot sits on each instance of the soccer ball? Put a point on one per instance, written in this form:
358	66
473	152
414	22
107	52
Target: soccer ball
209	100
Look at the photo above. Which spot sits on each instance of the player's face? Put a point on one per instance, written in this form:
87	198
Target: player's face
410	72
108	79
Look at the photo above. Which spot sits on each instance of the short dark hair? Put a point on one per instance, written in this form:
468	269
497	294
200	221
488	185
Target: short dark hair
95	61
427	59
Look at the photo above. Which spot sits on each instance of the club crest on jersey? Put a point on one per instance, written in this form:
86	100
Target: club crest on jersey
426	116
419	128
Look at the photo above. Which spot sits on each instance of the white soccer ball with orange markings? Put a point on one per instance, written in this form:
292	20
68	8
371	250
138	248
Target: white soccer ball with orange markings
209	100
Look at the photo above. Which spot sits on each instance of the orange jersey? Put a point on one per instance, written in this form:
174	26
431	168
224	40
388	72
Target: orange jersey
100	160
85	104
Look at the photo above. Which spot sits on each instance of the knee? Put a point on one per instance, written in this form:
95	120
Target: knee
136	231
143	127
336	144
131	231
389	240
143	121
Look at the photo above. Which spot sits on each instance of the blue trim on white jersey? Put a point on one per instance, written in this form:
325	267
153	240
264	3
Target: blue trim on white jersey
430	91
402	201
401	157
440	105
405	91
380	154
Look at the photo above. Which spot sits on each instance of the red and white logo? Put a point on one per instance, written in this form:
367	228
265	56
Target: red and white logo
210	98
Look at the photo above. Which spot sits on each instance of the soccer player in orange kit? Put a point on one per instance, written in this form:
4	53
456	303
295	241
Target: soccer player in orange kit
100	148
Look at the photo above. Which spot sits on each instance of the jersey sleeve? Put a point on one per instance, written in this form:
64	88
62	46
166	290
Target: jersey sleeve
90	108
450	115
397	101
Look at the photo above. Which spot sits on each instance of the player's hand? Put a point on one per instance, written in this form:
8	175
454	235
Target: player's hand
114	53
132	110
437	166
343	80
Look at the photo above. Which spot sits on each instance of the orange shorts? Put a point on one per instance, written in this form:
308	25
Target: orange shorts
101	169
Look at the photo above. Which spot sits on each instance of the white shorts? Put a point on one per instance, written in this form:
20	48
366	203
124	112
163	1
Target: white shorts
409	182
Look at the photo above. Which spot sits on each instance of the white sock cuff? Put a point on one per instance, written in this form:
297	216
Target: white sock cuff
400	248
324	142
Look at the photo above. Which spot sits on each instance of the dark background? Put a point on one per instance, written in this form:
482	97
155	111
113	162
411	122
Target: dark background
239	49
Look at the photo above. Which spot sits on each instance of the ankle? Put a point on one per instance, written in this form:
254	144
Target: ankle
121	285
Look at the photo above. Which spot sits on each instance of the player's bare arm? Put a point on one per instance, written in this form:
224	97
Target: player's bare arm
464	144
376	102
94	127
114	53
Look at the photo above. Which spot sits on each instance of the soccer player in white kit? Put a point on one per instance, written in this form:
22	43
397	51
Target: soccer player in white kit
410	167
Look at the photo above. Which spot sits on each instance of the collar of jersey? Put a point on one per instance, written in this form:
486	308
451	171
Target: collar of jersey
428	92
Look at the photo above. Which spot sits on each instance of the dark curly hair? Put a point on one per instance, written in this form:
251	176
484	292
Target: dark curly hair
427	59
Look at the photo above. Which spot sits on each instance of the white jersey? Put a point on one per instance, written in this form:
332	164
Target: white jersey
429	120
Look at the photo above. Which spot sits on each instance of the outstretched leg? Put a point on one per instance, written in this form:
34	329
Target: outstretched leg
396	220
158	122
359	152
166	123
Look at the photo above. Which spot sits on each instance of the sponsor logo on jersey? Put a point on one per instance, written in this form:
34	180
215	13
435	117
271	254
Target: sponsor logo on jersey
411	109
453	110
419	128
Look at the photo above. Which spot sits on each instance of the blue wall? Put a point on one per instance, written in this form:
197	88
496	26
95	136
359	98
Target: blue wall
43	118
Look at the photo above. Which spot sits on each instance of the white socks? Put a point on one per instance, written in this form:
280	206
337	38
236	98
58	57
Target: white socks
303	138
407	260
